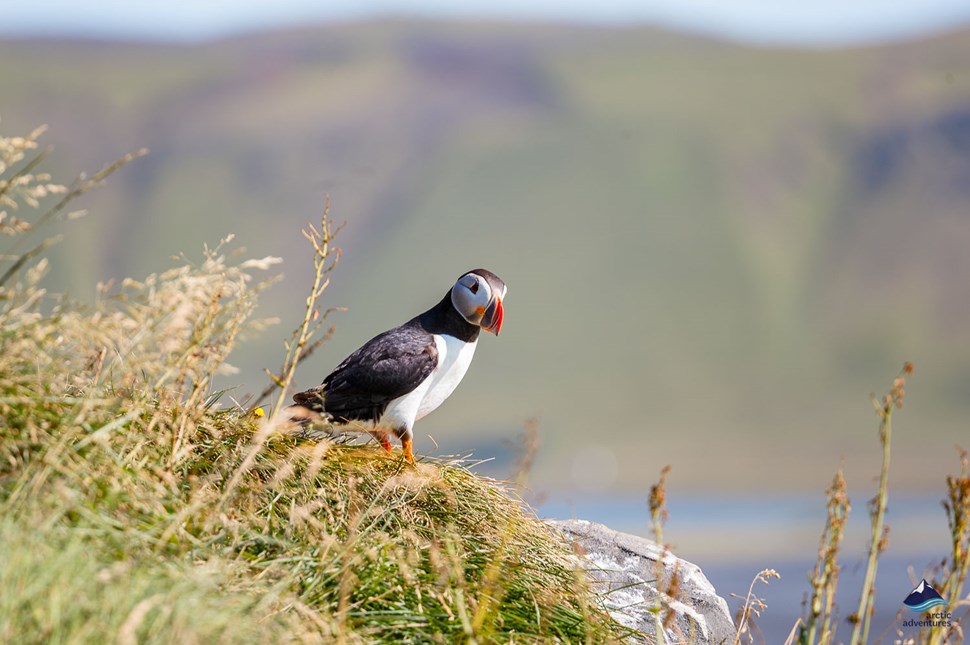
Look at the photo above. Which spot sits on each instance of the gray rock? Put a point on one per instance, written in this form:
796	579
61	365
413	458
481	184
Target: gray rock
624	568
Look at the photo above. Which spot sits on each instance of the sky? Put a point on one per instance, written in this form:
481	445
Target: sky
818	23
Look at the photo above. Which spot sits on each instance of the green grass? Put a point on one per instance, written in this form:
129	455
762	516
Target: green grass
139	506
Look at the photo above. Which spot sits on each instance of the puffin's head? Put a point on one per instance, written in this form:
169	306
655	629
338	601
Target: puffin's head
477	296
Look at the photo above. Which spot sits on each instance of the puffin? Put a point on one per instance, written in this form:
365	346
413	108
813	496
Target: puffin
402	375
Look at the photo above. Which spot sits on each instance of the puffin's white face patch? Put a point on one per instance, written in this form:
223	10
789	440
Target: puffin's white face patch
470	295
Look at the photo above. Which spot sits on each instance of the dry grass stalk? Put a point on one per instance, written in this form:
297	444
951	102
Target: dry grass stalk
957	508
752	606
299	346
879	538
818	628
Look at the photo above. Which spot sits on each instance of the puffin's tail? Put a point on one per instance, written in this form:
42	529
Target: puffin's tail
310	424
311	421
310	399
303	415
309	417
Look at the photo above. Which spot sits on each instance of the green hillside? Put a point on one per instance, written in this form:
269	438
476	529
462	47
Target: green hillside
714	252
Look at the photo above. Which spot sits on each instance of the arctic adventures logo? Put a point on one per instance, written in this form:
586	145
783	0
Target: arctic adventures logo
922	599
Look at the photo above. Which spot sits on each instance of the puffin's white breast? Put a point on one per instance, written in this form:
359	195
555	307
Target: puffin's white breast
454	357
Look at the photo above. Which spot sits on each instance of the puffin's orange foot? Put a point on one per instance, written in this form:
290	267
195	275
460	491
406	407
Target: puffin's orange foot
381	438
408	454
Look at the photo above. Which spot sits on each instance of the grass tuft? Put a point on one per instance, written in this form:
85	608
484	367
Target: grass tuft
135	507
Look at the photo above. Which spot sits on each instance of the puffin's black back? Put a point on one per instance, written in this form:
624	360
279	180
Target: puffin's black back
387	366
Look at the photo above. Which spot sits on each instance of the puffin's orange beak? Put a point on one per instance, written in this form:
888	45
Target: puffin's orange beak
494	314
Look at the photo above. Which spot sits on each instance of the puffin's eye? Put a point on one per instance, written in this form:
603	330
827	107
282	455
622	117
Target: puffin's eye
474	287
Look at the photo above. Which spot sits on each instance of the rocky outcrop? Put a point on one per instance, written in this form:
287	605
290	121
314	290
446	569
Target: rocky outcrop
624	568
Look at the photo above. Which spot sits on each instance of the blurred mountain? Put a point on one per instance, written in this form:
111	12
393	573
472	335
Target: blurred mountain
714	251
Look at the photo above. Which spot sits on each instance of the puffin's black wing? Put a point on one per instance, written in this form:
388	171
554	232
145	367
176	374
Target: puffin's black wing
386	367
